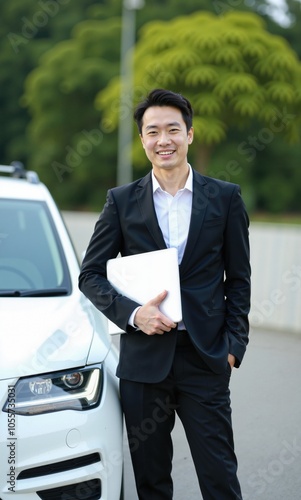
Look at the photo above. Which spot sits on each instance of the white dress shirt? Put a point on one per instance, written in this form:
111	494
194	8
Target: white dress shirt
173	214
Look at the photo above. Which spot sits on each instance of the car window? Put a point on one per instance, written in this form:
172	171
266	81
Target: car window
31	255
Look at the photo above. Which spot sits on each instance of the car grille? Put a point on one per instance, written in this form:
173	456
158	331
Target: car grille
89	490
63	466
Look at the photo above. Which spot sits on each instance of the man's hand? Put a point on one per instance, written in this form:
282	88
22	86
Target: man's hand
231	360
150	319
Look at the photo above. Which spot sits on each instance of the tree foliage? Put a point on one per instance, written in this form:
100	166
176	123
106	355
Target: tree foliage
65	52
27	30
60	92
65	121
234	72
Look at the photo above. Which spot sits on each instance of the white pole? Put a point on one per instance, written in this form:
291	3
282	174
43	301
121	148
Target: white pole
125	132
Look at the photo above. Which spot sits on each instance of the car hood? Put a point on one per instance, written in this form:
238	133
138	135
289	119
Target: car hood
40	335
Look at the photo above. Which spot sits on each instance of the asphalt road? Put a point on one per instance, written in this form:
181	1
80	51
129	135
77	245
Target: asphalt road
266	404
266	410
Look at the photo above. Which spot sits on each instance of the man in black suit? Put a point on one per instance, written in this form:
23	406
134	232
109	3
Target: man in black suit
167	368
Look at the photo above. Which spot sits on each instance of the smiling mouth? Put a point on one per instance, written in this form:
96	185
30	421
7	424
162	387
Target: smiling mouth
165	153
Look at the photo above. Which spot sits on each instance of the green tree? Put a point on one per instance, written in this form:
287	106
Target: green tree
64	140
28	28
234	72
274	177
292	32
60	92
56	124
65	126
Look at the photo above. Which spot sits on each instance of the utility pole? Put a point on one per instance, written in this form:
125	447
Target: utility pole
125	130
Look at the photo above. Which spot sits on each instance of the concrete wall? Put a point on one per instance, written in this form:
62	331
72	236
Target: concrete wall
276	270
276	276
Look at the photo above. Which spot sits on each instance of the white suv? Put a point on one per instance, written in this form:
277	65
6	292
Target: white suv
60	415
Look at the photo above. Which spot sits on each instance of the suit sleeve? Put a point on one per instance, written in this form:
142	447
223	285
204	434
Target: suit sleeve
105	244
237	276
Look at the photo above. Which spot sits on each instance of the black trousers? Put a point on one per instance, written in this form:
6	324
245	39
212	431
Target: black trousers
201	399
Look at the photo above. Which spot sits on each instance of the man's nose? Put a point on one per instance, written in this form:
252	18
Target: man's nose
163	138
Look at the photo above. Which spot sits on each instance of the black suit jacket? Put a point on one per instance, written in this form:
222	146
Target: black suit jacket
214	274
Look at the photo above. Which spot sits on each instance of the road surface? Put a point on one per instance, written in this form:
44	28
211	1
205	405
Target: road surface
266	404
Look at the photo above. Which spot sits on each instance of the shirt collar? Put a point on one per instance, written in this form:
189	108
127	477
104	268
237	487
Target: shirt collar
188	184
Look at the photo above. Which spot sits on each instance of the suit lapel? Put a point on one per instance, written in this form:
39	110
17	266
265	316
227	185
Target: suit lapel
201	195
199	205
144	194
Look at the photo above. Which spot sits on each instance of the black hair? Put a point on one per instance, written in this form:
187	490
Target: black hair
162	97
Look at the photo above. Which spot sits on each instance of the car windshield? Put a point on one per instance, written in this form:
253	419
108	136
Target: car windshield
32	261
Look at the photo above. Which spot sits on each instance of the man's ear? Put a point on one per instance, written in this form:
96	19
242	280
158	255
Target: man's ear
141	138
190	135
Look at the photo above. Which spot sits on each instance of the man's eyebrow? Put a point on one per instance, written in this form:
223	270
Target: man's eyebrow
172	124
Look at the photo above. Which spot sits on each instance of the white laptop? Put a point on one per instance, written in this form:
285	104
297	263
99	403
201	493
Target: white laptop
143	276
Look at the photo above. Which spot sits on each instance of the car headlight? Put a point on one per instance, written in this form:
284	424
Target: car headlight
69	390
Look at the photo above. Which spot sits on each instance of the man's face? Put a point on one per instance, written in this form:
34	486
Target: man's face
164	137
